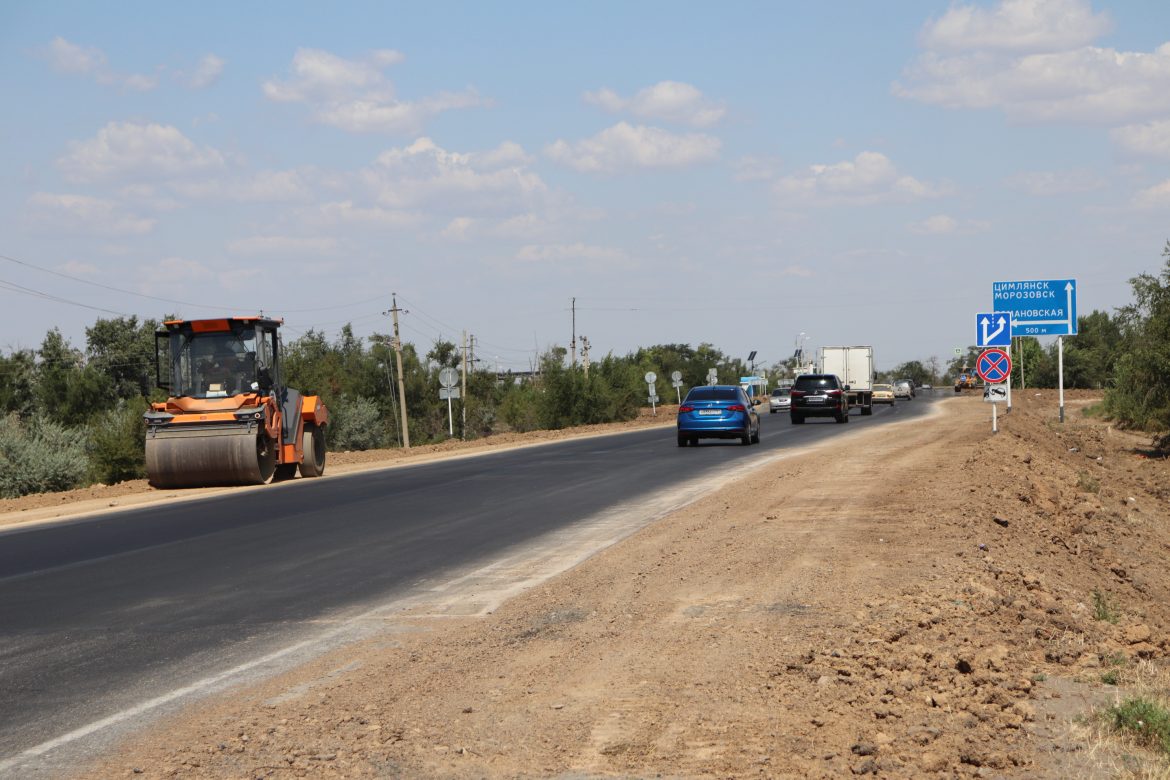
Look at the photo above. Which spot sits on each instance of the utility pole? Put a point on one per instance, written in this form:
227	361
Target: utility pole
585	354
401	385
463	433
573	343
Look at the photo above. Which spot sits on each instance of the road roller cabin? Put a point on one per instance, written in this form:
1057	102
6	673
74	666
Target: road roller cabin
230	419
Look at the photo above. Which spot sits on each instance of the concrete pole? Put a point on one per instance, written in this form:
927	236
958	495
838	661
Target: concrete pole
401	384
463	396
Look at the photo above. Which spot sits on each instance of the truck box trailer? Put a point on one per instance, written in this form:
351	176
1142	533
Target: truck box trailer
855	367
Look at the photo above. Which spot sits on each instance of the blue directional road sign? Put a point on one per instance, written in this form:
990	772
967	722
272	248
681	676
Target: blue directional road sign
1038	307
993	329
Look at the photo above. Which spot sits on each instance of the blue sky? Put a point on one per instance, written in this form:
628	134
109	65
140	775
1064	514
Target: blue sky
861	172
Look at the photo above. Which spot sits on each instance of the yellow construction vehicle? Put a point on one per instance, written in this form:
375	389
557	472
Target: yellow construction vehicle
229	420
967	380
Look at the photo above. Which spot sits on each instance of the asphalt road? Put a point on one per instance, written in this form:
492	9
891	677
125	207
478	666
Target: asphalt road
100	616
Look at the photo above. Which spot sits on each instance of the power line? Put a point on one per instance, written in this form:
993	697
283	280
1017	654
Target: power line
219	306
22	290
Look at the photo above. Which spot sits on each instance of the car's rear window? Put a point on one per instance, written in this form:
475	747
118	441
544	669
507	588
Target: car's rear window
780	391
712	394
816	382
883	387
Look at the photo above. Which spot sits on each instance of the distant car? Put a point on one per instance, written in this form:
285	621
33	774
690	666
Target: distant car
717	412
883	394
780	400
819	395
904	388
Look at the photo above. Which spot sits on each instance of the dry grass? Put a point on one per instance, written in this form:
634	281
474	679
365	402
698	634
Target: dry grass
1131	737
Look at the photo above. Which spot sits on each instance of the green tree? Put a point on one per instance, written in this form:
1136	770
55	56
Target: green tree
123	349
914	371
1140	395
18	381
1089	357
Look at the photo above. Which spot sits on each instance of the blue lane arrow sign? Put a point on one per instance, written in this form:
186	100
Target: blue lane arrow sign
993	329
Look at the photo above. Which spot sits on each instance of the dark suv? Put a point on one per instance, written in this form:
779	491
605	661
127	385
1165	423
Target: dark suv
819	395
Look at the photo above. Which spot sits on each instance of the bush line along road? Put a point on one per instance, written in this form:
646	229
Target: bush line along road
786	608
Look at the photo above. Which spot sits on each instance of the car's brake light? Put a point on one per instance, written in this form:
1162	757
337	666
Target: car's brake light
736	408
686	408
835	393
797	393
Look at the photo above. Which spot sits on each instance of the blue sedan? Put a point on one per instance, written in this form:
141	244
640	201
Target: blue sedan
717	412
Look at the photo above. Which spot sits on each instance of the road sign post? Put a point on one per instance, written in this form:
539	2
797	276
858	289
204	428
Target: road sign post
447	378
676	383
652	395
994	366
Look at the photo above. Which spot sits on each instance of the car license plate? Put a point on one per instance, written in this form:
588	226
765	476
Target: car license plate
815	400
706	412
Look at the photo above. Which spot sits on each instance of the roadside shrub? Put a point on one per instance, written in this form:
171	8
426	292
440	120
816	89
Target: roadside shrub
117	445
519	408
1103	608
356	424
1145	721
42	457
1088	483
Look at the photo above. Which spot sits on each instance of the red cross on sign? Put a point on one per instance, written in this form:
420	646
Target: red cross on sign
994	366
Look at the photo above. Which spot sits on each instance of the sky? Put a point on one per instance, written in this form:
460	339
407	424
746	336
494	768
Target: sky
750	175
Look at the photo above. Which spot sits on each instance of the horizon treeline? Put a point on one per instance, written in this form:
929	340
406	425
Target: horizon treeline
71	416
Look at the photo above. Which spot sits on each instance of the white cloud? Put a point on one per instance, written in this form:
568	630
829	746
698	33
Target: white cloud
868	178
557	254
1147	140
128	150
798	271
67	57
1157	196
459	229
208	71
1047	183
261	187
1017	25
455	183
282	245
670	101
1032	60
942	224
381	115
346	213
85	214
936	225
625	147
356	96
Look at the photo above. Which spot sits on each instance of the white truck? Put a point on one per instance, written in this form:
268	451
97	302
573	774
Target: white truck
855	367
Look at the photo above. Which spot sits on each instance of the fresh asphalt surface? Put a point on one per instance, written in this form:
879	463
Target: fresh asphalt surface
100	615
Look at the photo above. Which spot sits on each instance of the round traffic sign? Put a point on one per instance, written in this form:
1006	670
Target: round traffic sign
650	377
448	376
994	366
676	376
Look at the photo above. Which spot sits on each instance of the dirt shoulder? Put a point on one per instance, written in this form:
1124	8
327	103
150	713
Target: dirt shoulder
918	601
